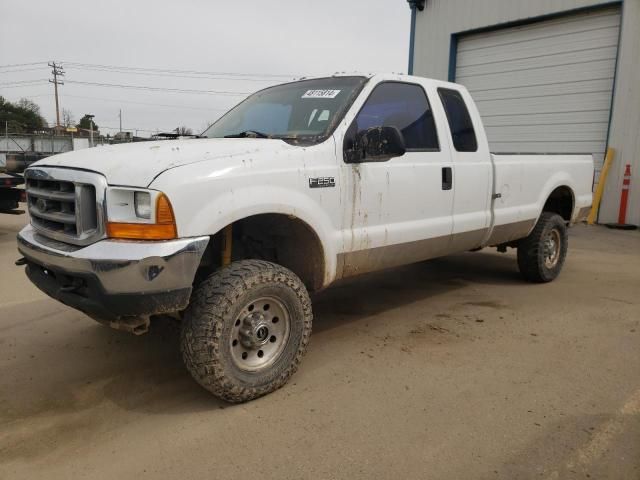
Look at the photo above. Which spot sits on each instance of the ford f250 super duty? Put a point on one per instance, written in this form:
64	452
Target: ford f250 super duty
298	186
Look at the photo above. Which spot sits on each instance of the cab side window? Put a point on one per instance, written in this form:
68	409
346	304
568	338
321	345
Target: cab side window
460	124
404	106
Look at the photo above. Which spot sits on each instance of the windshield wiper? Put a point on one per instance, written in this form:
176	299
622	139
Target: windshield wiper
286	137
248	134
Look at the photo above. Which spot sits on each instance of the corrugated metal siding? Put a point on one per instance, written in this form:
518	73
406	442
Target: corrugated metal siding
546	86
441	19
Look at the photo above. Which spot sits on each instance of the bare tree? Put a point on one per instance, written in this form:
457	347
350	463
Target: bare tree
29	105
67	118
183	130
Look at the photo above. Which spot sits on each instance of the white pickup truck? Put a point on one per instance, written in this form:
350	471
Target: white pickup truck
298	186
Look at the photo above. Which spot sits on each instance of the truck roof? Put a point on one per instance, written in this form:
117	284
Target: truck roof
401	77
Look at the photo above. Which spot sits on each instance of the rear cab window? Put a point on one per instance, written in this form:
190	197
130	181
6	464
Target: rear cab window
462	132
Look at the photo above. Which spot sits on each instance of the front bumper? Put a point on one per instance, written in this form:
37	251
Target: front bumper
114	279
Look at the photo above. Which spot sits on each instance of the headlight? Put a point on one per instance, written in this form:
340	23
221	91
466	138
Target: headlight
139	214
142	204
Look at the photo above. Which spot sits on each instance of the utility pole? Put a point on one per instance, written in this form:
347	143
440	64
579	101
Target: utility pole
120	120
57	72
90	129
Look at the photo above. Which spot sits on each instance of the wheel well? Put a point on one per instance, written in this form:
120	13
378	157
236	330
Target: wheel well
282	239
561	202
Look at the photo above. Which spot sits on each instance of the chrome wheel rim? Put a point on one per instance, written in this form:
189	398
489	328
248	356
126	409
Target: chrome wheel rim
260	333
551	248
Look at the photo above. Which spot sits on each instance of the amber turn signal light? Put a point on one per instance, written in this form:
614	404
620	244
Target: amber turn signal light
163	229
164	212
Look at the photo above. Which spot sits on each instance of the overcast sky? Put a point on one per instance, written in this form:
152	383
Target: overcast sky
256	39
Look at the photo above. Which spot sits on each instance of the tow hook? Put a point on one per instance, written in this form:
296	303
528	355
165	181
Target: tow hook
134	325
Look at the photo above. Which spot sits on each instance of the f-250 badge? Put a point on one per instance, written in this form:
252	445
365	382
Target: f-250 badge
322	182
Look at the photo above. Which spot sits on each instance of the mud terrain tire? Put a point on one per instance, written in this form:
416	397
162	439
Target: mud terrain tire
239	316
541	255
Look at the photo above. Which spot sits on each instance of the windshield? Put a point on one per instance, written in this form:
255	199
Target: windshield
304	110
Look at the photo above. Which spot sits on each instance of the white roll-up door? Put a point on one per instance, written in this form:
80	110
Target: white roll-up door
545	86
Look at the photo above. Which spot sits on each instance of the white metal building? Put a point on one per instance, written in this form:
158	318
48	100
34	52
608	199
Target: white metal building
548	76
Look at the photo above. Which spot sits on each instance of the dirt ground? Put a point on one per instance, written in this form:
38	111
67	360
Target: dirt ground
448	369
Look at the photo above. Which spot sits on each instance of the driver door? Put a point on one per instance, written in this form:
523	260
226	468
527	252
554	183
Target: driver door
398	210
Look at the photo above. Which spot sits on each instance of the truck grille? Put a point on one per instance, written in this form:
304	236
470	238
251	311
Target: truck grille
66	209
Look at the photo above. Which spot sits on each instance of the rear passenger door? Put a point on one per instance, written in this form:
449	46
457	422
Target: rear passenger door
472	170
397	211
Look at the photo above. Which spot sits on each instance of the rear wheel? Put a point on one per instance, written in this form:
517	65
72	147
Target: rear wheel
541	255
246	329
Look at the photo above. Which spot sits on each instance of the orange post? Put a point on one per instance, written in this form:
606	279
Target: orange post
624	195
597	196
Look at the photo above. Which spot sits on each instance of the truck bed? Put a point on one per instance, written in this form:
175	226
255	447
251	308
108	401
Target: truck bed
523	182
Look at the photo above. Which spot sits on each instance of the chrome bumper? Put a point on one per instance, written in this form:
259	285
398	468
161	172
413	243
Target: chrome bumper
121	266
114	278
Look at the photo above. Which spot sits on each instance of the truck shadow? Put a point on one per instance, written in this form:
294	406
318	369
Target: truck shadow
374	293
59	362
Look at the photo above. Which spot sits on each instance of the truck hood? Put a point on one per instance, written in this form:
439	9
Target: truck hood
137	164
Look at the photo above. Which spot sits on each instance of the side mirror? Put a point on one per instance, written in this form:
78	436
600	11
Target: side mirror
375	144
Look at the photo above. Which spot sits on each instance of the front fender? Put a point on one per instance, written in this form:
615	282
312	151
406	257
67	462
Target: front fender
205	209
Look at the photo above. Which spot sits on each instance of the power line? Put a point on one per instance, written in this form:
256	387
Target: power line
127	102
22	64
41	95
21	70
43	83
195	72
23	82
141	70
163	89
173	75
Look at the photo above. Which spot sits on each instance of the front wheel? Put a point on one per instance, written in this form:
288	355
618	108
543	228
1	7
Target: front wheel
541	255
246	330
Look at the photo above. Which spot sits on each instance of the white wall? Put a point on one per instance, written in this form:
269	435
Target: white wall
80	143
35	143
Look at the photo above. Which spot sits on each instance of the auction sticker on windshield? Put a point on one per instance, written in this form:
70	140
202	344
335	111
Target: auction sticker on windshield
321	94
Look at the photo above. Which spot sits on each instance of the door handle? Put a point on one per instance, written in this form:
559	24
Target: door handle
447	178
